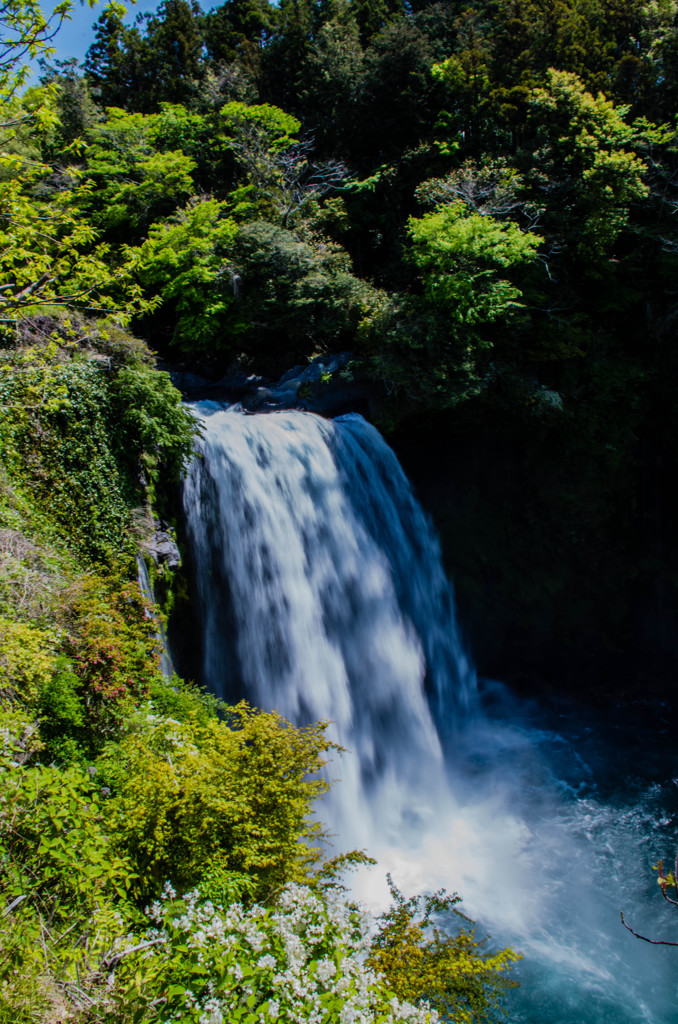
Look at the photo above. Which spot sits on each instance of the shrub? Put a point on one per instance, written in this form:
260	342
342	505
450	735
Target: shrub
300	959
207	792
421	960
26	661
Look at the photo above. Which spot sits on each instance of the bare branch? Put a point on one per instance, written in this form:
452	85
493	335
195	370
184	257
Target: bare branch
110	963
13	905
653	942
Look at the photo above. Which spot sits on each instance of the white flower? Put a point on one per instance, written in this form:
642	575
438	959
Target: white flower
326	970
214	1016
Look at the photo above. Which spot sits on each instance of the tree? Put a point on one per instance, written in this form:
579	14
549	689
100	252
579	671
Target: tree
421	960
283	59
25	34
133	178
461	256
174	53
188	261
233	26
115	62
49	253
281	183
298	296
332	81
583	164
653	77
160	59
398	97
436	347
76	111
372	16
236	794
589	38
466	76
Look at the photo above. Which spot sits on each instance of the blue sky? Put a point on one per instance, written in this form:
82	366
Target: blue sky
77	35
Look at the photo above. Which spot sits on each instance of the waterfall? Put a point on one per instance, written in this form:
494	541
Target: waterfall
146	588
321	594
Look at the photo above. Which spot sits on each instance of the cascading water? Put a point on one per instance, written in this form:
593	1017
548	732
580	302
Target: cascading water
321	593
146	588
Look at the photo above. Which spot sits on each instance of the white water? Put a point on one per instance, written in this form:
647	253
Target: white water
322	594
146	588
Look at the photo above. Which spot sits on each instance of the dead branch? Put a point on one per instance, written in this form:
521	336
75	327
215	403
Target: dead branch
654	942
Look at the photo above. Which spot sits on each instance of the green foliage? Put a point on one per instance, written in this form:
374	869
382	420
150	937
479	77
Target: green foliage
139	68
62	885
114	63
297	293
187	259
256	130
216	225
75	108
62	715
55	847
333	75
50	256
466	77
26	32
113	654
585	158
236	27
460	255
57	414
236	793
420	960
152	426
413	353
435	348
173	53
79	428
26	661
135	178
49	253
597	42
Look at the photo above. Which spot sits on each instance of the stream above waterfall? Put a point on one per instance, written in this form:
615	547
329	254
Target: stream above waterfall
320	592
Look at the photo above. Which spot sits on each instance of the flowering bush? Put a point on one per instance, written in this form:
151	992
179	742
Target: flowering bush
301	960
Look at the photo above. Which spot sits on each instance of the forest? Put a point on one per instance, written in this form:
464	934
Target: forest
477	203
474	205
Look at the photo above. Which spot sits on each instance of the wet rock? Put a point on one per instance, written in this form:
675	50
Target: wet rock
163	549
318	387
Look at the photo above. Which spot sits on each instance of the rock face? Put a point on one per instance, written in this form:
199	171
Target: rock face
163	549
551	560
